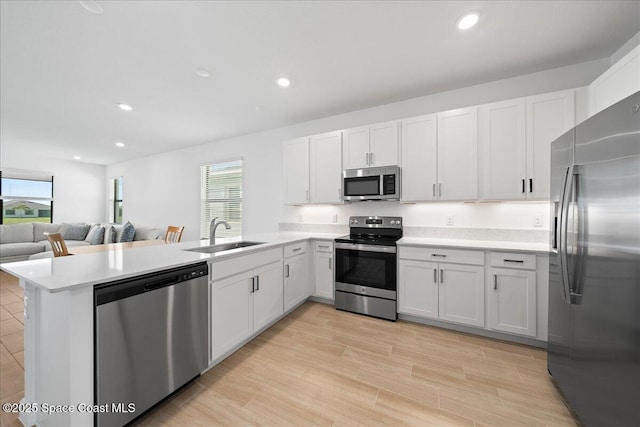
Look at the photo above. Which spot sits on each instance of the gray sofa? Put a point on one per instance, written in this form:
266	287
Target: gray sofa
19	242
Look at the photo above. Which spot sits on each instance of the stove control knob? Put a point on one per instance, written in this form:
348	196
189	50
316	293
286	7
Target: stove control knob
354	221
393	222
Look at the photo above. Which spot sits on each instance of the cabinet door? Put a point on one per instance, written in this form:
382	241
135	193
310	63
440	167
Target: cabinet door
419	158
458	154
383	144
231	313
548	116
502	148
324	274
615	84
355	148
418	288
296	280
268	303
296	171
512	301
461	294
326	168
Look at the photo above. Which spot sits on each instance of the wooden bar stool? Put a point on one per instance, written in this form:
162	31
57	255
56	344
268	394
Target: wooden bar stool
174	234
57	244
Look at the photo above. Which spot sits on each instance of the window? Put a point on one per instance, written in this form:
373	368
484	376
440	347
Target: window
25	197
117	200
221	197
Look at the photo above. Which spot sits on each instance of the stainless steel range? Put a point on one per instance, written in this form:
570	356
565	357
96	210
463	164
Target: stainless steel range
366	266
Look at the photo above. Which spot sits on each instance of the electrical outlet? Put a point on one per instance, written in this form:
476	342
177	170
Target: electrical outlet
450	220
334	218
537	221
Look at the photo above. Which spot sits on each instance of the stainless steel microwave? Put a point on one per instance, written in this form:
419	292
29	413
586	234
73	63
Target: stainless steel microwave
382	183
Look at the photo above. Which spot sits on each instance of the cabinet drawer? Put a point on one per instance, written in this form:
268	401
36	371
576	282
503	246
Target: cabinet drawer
456	256
511	260
324	246
228	267
295	249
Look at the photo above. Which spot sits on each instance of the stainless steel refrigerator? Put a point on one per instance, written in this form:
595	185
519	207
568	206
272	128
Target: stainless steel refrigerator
594	267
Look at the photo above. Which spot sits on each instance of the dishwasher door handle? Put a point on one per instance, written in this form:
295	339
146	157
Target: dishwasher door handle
161	283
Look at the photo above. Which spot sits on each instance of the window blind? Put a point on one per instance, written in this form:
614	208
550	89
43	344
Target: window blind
221	197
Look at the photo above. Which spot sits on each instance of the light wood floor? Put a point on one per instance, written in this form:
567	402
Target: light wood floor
319	366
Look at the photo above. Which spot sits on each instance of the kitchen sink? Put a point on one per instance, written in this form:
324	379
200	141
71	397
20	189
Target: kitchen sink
224	247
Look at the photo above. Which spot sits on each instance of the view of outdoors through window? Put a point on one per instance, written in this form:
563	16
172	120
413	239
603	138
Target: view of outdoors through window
221	197
25	198
117	200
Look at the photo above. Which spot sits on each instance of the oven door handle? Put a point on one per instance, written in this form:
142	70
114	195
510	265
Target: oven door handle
367	248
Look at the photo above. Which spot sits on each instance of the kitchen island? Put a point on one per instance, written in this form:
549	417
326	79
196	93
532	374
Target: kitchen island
59	312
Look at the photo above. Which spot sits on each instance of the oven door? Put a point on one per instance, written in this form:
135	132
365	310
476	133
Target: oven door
369	266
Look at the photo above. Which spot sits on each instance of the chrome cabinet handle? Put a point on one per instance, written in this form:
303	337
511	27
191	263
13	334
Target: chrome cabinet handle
253	284
297	249
440	189
434	189
495	281
367	158
286	270
441	276
257	283
523	185
439	255
323	246
517	261
330	263
530	185
435	275
371	157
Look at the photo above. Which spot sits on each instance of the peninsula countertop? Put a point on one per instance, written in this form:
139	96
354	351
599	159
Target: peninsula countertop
65	273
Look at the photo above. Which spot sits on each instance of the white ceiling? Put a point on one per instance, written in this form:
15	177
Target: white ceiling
64	69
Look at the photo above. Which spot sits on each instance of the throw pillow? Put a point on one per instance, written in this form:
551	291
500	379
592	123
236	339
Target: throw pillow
95	236
128	231
146	233
39	228
109	234
74	232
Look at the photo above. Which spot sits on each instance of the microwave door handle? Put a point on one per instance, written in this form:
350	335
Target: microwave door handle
381	185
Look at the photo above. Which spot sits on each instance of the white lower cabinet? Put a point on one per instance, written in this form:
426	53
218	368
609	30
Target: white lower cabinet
438	290
296	280
323	265
418	288
512	299
244	303
461	294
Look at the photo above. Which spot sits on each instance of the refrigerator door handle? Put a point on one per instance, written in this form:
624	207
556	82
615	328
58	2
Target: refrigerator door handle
562	241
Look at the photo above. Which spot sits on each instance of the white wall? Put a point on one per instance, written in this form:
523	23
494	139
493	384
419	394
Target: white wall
164	189
78	188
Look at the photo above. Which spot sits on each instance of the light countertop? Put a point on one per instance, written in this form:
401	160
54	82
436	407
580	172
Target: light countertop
491	245
65	273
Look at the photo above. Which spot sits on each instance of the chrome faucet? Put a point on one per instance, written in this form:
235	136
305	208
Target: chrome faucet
212	229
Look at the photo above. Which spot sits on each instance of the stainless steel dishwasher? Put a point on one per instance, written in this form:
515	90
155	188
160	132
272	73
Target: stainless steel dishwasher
151	338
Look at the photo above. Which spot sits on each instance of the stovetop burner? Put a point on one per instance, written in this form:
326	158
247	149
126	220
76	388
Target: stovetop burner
373	230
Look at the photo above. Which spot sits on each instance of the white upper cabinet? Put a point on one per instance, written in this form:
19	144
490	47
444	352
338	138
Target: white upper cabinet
296	171
458	154
326	168
615	84
502	148
419	158
370	146
548	116
514	140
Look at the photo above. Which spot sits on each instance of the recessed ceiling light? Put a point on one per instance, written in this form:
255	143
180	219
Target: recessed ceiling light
283	82
76	157
119	144
468	21
203	72
125	107
92	6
